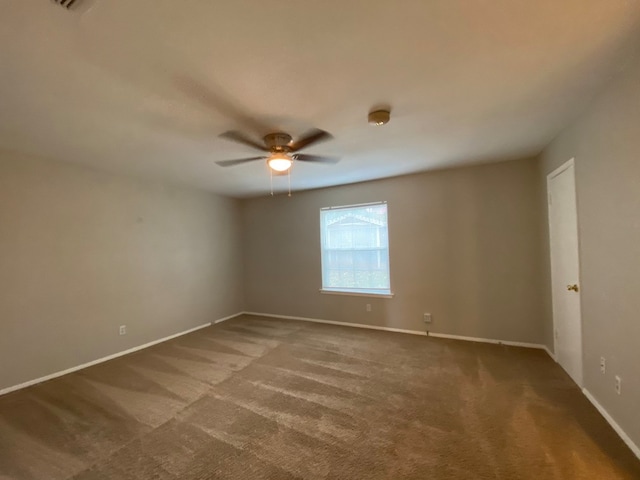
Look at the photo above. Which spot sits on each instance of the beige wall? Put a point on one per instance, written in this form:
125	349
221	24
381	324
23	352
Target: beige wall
464	246
82	252
606	145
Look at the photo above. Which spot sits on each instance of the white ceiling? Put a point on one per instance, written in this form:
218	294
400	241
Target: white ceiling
145	87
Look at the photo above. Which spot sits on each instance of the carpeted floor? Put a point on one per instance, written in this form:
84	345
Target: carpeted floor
257	398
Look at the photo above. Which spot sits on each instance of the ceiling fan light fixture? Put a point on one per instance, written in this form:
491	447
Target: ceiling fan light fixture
280	162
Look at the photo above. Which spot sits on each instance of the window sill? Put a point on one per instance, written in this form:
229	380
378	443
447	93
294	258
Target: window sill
356	294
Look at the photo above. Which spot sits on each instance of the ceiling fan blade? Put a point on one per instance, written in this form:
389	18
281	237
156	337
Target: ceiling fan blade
243	139
304	157
231	163
311	137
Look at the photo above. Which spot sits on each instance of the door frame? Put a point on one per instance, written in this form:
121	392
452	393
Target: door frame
565	166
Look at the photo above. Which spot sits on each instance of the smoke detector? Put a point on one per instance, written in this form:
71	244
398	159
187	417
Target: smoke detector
379	117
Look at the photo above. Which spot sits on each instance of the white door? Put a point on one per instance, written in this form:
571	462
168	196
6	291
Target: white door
565	269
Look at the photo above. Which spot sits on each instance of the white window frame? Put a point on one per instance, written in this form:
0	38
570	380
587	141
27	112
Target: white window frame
364	292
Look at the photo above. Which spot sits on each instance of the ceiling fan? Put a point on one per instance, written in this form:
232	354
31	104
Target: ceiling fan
281	151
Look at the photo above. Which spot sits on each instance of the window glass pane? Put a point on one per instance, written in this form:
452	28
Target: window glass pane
355	248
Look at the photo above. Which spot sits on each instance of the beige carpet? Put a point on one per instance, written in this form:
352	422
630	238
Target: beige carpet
259	398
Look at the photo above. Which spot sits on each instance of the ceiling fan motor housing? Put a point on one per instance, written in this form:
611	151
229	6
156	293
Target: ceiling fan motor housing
277	141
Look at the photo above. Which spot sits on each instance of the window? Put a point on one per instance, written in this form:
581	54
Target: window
355	249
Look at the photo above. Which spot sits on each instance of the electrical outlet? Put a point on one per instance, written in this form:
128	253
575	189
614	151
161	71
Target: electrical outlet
618	385
368	307
427	318
123	330
603	365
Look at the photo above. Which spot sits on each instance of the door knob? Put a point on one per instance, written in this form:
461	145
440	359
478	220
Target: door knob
573	287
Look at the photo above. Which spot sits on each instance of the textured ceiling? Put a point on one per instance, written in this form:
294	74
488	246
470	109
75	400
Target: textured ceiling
145	87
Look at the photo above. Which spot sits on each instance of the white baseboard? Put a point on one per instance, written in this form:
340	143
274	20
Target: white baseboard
332	322
487	340
625	438
399	330
109	357
220	320
551	354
